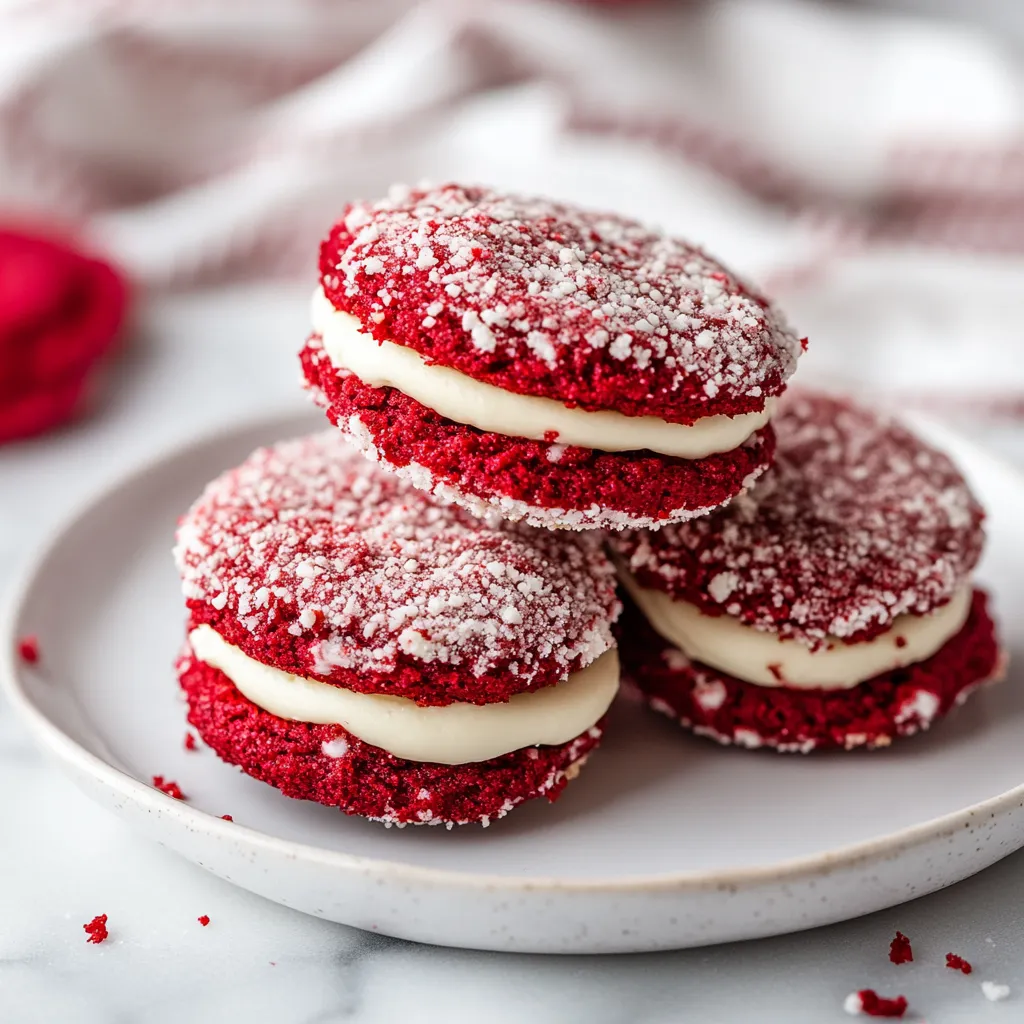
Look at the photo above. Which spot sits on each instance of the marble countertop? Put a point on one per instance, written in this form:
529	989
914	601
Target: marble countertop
203	360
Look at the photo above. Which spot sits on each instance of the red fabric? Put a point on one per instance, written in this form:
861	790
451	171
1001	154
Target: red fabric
871	714
60	311
366	780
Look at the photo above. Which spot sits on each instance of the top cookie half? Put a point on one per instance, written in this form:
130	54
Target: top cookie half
528	357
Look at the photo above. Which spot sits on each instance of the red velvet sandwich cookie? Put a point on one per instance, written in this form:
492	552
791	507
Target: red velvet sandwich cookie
355	643
831	606
525	357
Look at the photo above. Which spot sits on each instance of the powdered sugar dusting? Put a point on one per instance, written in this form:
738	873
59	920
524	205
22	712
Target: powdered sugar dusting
710	694
368	569
994	992
337	747
857	523
852	1004
534	295
919	709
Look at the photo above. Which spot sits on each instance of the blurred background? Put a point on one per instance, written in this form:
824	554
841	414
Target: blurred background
863	162
167	169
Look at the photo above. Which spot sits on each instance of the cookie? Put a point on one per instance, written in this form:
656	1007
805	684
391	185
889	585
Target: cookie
353	642
528	358
831	606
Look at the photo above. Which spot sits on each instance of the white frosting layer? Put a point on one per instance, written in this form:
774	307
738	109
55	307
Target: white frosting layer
452	734
464	400
724	643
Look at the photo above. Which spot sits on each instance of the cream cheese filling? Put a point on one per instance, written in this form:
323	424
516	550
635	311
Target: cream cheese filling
451	734
724	643
462	399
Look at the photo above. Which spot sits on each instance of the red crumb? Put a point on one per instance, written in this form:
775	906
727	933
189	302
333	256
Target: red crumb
28	649
776	670
96	929
901	641
190	741
227	817
204	920
900	951
874	1005
168	787
958	963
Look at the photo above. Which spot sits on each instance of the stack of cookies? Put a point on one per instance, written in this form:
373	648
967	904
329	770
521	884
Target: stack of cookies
414	616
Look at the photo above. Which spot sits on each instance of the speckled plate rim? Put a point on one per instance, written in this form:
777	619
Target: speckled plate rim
73	755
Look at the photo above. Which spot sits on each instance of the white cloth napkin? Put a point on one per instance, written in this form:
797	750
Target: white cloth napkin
867	168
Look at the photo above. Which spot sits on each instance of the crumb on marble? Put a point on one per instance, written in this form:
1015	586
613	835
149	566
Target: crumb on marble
96	929
868	1003
900	951
958	963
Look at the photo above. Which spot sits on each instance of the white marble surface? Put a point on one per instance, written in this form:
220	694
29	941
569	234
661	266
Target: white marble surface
203	360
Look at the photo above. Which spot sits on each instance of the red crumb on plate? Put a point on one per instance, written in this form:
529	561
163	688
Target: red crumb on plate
190	741
899	950
96	929
958	963
168	787
869	1003
28	649
204	920
227	817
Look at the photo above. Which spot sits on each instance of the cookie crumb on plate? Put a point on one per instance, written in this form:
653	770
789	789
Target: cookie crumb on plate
28	649
168	787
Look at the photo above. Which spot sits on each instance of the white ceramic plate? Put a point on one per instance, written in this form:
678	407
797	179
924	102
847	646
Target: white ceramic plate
663	841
